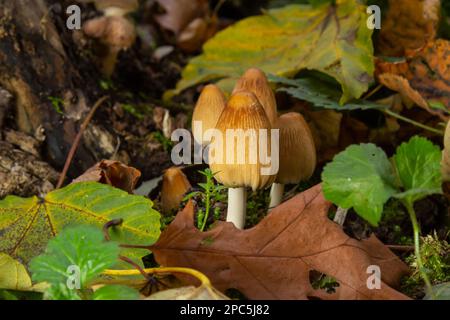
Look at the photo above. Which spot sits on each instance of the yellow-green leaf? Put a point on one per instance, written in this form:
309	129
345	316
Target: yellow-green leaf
26	225
13	274
333	39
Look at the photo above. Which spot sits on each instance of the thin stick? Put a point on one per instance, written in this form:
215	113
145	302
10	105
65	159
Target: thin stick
340	216
197	274
400	247
76	142
109	224
415	123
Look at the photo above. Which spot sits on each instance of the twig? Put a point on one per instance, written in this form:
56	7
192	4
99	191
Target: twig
415	123
76	142
134	264
340	216
197	274
400	247
109	224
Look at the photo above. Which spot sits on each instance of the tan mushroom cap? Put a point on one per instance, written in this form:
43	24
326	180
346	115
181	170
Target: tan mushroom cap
255	81
208	109
116	32
243	111
174	186
297	149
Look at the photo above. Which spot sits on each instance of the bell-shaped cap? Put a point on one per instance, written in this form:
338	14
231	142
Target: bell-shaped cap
255	81
174	187
208	109
240	124
297	149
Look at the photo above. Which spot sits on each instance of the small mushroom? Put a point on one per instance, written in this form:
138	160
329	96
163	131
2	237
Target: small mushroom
297	154
174	186
114	30
207	111
242	112
255	81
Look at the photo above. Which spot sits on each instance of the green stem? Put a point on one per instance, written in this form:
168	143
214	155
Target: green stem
207	205
415	123
416	228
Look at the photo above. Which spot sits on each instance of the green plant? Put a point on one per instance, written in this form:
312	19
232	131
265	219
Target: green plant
362	177
210	194
57	103
165	142
73	260
436	261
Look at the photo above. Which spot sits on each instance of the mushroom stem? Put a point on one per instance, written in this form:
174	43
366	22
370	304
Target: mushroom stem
276	194
237	206
109	63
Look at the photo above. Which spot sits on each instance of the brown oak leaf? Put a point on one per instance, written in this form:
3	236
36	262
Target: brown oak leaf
114	173
424	77
273	260
408	25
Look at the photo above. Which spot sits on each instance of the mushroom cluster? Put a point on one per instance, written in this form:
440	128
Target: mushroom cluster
252	105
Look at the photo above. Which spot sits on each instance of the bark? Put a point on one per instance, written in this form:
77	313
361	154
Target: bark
36	64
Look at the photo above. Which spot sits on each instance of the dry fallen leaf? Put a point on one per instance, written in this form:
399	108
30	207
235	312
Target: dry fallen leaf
424	77
203	292
445	164
409	24
114	173
274	259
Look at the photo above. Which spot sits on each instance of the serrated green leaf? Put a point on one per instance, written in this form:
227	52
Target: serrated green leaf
331	39
115	292
321	94
26	225
418	166
360	177
76	252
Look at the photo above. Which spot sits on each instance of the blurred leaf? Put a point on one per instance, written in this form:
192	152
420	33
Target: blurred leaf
81	247
360	177
115	292
408	25
203	292
321	94
331	39
423	77
26	225
13	274
418	167
440	291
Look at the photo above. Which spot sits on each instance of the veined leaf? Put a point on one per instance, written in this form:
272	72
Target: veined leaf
418	167
333	39
80	252
321	94
360	177
13	274
26	225
115	292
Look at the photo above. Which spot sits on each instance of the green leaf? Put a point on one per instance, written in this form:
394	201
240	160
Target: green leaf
360	177
418	166
26	225
321	94
79	251
115	292
61	292
331	39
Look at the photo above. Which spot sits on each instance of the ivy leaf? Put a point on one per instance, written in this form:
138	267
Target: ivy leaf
26	225
321	94
440	291
333	39
418	166
360	177
115	292
76	251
